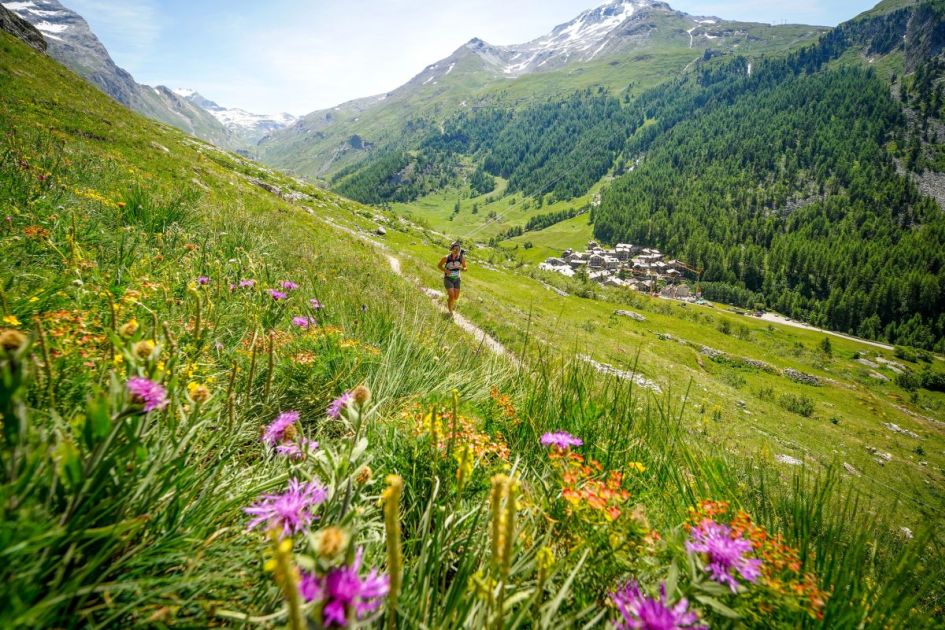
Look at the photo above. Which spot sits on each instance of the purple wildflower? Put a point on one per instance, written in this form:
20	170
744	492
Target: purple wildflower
303	322
288	285
339	404
152	395
725	553
277	295
647	613
275	432
315	304
232	287
247	284
343	591
292	510
296	451
561	440
203	280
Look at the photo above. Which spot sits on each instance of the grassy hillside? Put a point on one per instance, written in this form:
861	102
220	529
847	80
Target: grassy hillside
164	312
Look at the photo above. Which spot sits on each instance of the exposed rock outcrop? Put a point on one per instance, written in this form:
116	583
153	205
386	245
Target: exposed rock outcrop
21	29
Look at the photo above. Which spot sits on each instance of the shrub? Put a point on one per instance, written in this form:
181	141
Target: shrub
906	353
801	405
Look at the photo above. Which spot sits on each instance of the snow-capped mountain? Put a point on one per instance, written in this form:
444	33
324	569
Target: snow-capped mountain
72	43
612	28
615	45
235	118
582	39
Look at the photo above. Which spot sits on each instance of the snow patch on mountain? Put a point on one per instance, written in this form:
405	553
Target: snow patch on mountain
39	18
589	30
234	117
593	33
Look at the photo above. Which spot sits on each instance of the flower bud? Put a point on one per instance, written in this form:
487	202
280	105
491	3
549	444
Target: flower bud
363	475
128	328
12	340
330	542
199	393
143	349
362	395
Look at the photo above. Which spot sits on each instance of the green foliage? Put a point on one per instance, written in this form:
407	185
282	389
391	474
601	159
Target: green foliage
563	146
928	378
800	404
481	183
764	185
396	176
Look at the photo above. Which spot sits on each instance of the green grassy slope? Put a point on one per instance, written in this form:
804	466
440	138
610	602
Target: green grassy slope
115	515
851	406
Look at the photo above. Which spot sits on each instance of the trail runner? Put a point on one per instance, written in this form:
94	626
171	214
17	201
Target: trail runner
451	265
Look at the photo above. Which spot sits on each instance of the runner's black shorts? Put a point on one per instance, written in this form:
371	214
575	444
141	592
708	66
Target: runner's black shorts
450	283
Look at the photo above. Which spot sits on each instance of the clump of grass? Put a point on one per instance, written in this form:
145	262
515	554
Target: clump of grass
797	403
141	208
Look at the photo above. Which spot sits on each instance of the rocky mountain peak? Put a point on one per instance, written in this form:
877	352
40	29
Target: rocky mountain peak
594	33
234	118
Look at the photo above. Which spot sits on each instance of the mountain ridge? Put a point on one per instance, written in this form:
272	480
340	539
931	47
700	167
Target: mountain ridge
72	42
248	127
639	42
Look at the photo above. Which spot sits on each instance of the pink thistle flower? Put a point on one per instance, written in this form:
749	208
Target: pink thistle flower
561	440
277	295
144	391
725	553
288	285
303	322
315	304
339	404
345	596
640	612
275	432
203	280
247	284
291	511
296	451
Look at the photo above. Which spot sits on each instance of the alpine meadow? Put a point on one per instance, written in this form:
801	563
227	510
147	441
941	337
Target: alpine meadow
693	376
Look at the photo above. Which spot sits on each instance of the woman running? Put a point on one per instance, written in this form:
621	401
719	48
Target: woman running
451	265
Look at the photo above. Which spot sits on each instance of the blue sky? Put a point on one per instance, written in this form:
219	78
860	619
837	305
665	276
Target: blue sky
302	55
